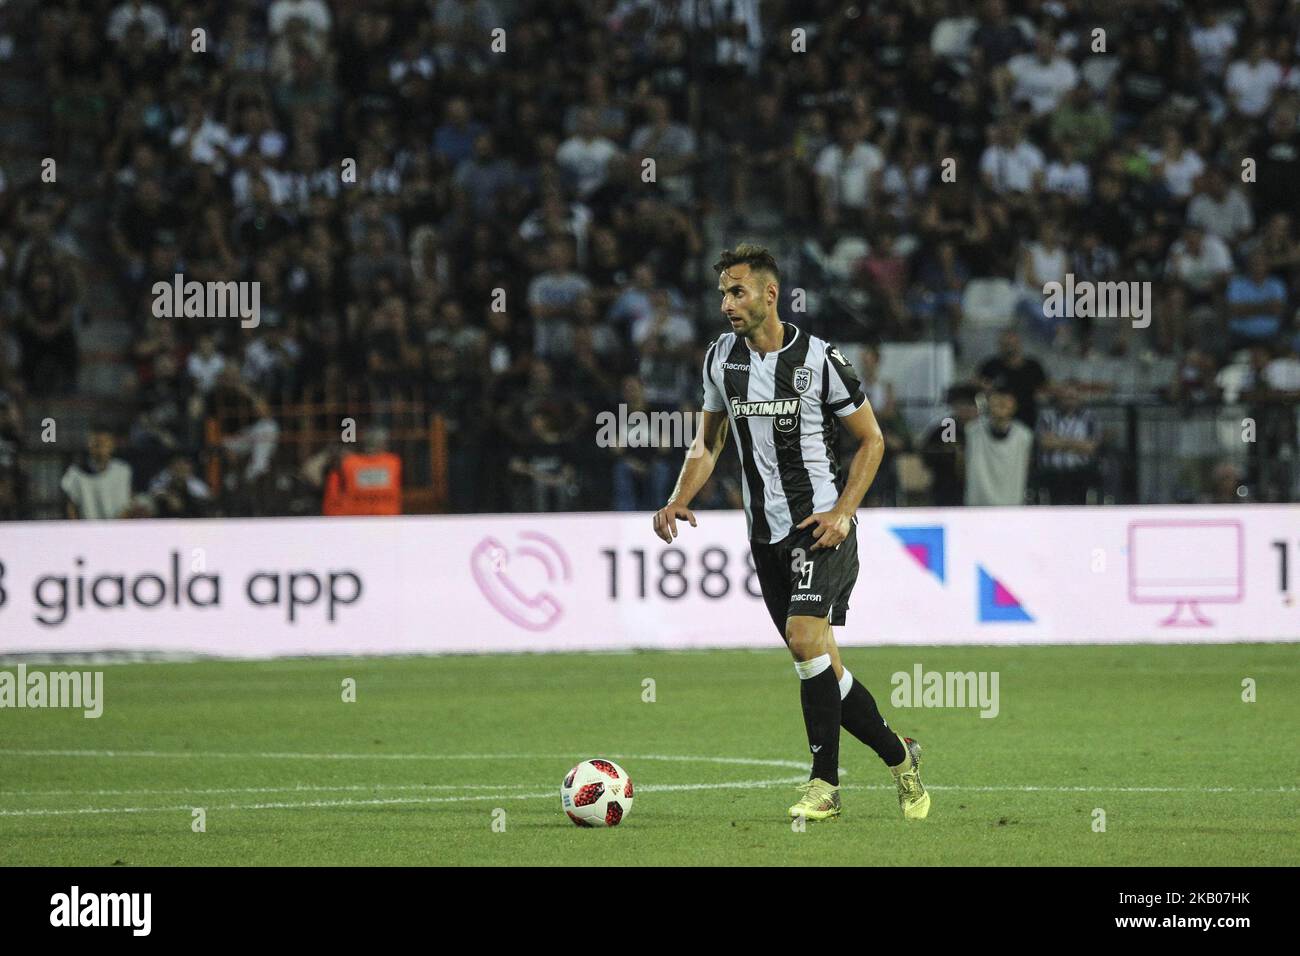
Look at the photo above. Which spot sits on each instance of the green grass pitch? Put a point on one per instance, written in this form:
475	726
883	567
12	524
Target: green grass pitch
418	769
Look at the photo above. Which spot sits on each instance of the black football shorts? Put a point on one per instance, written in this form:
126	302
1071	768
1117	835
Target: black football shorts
795	579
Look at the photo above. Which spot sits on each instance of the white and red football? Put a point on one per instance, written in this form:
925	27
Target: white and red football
597	793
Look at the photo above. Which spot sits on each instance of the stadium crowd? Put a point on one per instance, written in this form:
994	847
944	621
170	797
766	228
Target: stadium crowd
500	256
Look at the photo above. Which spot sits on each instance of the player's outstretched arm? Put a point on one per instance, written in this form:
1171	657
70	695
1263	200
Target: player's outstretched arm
833	526
700	459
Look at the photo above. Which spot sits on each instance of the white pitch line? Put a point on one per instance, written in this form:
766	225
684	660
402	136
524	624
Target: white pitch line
652	788
300	788
1032	789
295	788
222	755
550	794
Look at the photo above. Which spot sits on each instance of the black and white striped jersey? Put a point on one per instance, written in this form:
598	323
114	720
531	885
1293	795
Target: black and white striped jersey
1080	425
782	408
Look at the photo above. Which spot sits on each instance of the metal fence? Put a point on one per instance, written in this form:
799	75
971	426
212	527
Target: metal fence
308	436
1157	453
1150	453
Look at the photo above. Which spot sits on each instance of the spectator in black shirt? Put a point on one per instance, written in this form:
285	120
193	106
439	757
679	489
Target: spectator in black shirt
763	156
176	492
138	226
11	443
1278	152
1013	371
1143	82
997	38
943	447
45	331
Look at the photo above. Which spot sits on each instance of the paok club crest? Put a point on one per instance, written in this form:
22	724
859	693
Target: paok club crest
802	379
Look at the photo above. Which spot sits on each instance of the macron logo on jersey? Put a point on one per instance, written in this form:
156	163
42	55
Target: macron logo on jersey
770	408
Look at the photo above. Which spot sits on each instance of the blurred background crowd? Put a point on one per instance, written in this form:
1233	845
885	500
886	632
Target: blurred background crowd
502	263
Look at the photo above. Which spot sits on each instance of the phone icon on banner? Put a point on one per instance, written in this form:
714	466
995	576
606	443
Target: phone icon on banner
511	585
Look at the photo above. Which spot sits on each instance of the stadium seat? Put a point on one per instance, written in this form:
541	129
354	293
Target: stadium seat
988	302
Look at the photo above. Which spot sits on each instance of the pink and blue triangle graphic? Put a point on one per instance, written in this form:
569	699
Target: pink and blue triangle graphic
925	545
996	603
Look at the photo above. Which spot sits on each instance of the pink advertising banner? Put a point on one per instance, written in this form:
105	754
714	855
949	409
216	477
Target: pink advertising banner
482	584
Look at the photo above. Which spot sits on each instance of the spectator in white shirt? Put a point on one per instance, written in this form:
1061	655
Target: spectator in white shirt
1011	164
1043	261
1041	78
270	358
257	134
1212	37
1067	175
998	450
671	145
669	325
1252	82
313	12
738	27
1221	211
100	486
205	139
906	182
258	441
1200	261
1282	373
586	155
205	364
244	184
848	173
127	15
553	297
1177	164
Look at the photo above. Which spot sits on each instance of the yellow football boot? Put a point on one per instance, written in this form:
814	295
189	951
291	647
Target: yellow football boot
820	801
912	796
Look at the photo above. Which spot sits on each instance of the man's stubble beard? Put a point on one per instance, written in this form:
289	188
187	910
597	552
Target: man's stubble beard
753	322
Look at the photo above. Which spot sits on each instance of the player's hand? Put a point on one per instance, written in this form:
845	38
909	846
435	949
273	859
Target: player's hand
832	528
666	520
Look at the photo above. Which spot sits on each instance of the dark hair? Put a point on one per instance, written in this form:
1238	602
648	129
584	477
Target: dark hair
963	392
750	254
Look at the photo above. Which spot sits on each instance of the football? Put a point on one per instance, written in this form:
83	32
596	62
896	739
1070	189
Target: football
597	793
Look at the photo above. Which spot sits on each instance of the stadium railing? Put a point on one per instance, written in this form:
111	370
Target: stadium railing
1156	452
308	433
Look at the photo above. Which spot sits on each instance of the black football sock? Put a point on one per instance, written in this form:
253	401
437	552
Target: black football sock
819	693
861	717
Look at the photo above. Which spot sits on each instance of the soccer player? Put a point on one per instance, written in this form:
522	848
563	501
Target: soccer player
781	391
